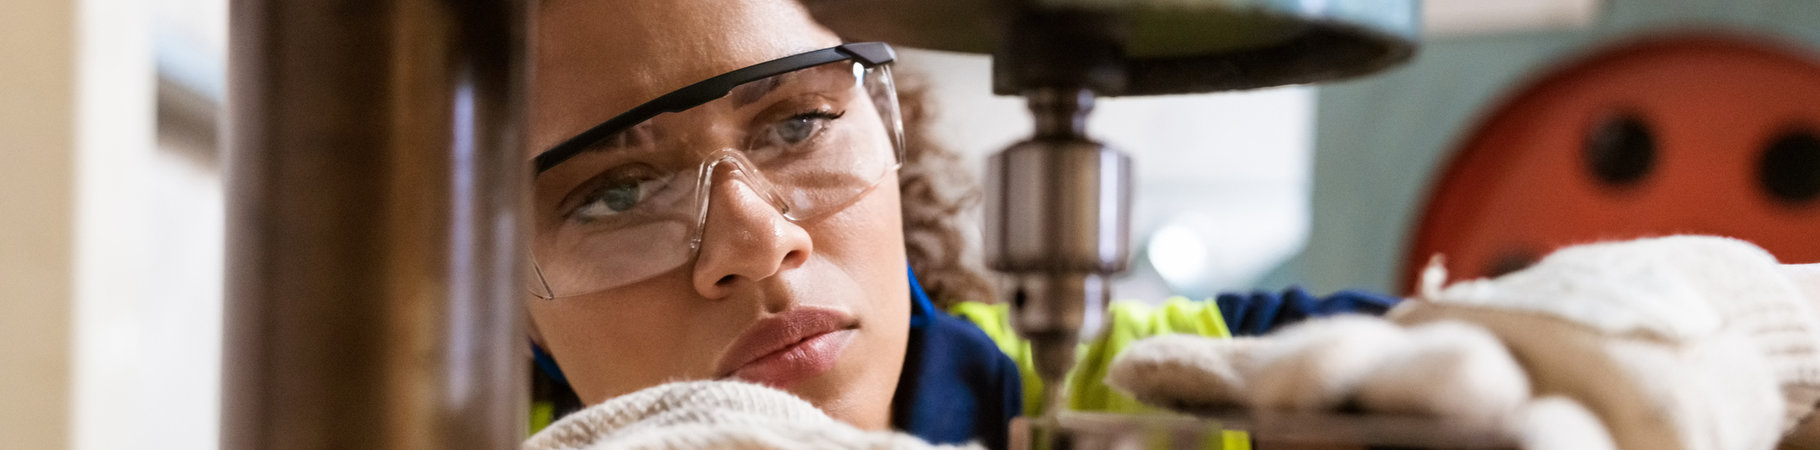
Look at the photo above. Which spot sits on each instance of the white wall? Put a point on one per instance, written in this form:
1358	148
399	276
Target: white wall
150	226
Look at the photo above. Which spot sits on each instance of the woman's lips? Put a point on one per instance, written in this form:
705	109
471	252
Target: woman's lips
800	361
792	346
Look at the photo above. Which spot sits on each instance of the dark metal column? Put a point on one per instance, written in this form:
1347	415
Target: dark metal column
374	179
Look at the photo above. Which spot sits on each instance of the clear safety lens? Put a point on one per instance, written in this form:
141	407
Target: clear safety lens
632	206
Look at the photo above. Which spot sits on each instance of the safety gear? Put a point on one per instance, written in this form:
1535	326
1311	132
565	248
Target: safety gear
1672	343
627	200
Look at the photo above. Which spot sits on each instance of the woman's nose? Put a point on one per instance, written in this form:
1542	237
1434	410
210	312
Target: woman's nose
745	239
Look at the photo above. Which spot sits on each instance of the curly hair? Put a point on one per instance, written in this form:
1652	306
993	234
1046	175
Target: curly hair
940	200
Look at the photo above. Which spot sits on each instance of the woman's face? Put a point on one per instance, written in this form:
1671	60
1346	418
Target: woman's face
759	281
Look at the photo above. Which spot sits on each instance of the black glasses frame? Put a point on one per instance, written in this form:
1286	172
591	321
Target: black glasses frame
869	54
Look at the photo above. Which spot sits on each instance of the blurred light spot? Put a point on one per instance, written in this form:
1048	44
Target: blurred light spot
1179	255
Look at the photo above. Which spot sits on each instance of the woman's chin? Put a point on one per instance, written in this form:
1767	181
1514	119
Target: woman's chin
850	394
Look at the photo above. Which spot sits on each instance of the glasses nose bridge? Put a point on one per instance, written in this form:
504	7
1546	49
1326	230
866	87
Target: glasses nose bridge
740	169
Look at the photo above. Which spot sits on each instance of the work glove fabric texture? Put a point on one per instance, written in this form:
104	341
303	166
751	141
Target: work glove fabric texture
704	415
1685	342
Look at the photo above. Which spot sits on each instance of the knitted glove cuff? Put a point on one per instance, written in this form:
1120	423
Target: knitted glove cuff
1748	289
679	403
1678	289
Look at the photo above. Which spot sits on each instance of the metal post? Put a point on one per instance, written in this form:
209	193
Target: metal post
374	180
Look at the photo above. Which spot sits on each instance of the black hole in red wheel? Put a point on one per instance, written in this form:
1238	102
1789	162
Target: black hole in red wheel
1790	168
1620	151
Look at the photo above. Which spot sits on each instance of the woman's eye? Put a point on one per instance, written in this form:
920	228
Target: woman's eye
799	128
615	197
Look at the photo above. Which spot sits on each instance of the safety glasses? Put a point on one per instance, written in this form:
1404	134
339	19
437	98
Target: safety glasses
809	133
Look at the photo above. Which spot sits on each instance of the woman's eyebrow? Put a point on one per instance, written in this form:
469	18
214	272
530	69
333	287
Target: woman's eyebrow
604	145
742	95
748	93
617	140
752	92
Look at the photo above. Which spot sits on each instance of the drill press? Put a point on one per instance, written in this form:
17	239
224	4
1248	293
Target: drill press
1057	210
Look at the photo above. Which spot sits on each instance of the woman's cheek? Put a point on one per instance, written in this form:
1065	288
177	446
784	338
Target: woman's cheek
630	338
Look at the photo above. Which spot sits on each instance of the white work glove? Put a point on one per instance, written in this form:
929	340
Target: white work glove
702	415
1671	343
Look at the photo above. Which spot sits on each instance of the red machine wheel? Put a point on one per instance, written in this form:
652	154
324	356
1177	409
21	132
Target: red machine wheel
1711	134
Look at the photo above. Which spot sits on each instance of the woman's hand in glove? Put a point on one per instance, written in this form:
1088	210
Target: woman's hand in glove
702	415
1671	343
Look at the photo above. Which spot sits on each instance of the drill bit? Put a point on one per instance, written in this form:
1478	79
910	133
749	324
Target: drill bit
1053	355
